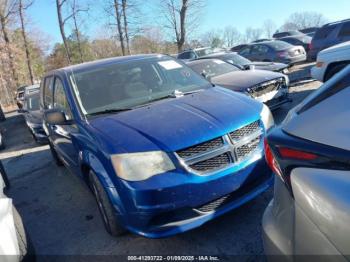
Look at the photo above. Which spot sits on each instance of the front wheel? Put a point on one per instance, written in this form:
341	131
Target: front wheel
107	211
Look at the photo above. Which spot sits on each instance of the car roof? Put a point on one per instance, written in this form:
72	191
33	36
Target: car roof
107	61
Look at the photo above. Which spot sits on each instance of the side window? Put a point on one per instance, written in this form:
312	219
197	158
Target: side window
245	51
324	32
48	99
60	99
263	49
345	30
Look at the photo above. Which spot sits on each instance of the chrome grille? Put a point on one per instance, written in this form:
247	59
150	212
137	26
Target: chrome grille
247	149
213	163
244	131
223	152
201	148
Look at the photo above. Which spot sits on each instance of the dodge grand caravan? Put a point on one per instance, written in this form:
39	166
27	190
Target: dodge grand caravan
162	149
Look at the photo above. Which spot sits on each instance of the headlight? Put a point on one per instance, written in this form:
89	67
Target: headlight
267	117
141	166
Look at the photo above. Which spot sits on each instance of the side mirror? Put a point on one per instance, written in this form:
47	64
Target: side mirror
206	76
56	117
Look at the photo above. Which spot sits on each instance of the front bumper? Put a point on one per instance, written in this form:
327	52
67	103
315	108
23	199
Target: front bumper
276	103
157	213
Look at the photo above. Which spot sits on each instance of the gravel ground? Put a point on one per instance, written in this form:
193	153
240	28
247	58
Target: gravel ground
62	217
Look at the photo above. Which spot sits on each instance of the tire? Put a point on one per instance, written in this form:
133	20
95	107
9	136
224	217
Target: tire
54	154
333	71
26	249
105	207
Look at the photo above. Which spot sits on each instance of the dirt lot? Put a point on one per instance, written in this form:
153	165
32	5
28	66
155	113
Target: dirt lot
62	217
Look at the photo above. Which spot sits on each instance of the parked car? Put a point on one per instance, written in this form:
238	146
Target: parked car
298	40
23	91
267	87
245	64
331	61
329	35
274	51
34	117
195	53
238	47
279	35
310	154
20	96
14	241
2	115
310	31
155	142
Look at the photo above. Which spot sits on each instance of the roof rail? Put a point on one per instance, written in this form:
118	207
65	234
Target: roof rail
338	22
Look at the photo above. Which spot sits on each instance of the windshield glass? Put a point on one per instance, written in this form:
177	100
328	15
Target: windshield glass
132	83
204	52
236	59
32	103
212	67
279	45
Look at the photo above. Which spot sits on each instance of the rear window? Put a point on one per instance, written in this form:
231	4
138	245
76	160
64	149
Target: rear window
324	32
345	30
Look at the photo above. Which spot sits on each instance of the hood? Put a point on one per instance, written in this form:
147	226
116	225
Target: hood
271	66
177	123
241	80
340	47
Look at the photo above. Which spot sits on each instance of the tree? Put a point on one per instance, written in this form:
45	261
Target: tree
61	23
302	20
8	9
124	7
21	8
252	34
179	16
269	28
231	36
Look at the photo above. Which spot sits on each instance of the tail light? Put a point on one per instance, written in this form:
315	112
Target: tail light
310	46
287	153
271	160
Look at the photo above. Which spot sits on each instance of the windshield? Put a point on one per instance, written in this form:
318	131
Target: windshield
279	45
204	52
132	83
236	59
212	67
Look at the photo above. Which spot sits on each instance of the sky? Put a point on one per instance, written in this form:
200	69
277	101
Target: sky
216	15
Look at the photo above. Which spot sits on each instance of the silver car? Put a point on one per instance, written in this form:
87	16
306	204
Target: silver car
14	243
310	155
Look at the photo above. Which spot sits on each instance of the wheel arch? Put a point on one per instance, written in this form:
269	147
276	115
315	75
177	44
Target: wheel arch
334	64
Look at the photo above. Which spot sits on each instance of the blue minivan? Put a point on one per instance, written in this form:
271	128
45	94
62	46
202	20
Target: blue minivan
162	149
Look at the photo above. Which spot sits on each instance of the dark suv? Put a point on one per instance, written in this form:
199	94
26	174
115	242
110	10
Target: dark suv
329	35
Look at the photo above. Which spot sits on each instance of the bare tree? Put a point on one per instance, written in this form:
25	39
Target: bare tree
21	8
7	9
124	8
118	16
180	15
252	34
303	20
269	28
231	36
61	22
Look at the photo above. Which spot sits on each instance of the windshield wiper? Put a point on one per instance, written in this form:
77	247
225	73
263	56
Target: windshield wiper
174	94
109	111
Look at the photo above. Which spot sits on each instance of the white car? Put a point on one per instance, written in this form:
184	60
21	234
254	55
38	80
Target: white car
331	61
14	244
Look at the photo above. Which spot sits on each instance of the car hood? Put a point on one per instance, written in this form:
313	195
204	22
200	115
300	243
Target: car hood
271	66
241	80
177	123
340	47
